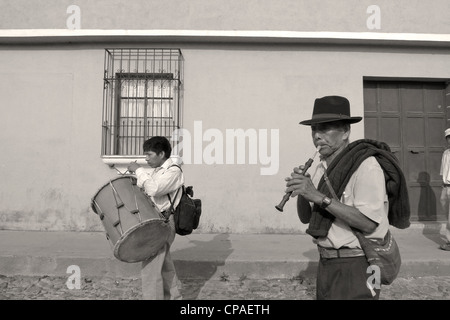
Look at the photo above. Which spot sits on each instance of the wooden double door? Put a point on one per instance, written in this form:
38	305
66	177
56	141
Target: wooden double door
411	117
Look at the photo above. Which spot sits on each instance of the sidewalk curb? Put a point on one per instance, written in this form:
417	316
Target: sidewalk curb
202	256
232	270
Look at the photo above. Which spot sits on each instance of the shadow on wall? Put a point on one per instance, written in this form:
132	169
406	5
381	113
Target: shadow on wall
428	211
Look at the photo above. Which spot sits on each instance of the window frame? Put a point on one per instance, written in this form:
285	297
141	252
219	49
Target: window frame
156	66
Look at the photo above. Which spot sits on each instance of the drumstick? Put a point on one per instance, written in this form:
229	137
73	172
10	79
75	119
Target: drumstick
112	165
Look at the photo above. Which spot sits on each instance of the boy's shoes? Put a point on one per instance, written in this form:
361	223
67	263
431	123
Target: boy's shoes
445	246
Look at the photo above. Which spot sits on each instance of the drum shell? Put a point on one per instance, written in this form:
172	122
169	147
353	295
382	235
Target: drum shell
125	211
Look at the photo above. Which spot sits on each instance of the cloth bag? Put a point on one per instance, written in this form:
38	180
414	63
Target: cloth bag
384	254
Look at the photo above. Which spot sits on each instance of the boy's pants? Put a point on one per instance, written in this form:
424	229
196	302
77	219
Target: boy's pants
158	274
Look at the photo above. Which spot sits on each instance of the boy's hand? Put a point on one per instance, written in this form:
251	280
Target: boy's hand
133	166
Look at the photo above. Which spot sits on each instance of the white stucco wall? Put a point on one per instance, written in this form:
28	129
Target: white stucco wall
50	131
263	73
400	16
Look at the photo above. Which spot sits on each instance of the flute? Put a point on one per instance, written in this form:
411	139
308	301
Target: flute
286	197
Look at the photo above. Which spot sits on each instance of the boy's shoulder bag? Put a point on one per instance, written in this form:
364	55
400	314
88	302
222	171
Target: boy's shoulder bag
187	214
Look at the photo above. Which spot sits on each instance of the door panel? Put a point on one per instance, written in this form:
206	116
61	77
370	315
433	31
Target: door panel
410	116
388	98
390	132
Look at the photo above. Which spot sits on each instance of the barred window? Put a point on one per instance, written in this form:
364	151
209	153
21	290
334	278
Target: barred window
141	98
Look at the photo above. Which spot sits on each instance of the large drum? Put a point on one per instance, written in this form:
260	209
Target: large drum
133	225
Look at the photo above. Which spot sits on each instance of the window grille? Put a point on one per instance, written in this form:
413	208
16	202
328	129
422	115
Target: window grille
141	98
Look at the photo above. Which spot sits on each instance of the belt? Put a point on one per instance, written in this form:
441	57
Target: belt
329	253
446	185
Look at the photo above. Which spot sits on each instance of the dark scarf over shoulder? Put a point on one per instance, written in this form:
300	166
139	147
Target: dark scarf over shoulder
342	168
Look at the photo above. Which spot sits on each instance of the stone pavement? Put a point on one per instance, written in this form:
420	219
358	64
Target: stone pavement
97	288
36	266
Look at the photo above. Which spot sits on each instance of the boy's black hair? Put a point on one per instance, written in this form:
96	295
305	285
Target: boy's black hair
158	144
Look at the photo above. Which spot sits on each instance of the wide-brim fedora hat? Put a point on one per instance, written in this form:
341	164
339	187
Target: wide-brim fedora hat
331	108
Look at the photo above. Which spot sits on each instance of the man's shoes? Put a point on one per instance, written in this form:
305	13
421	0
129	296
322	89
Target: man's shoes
445	246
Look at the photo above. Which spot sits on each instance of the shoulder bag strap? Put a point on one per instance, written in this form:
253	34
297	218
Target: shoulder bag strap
171	203
330	187
358	234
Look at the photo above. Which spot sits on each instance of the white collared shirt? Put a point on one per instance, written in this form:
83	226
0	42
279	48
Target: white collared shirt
366	191
160	181
445	167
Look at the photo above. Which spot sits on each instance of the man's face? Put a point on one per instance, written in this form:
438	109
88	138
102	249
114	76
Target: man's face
330	136
154	159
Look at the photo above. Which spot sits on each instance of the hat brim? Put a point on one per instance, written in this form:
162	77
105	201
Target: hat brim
324	120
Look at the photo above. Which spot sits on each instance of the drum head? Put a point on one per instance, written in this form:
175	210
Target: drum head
142	241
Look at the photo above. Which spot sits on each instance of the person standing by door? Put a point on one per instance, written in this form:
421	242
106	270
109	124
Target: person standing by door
445	195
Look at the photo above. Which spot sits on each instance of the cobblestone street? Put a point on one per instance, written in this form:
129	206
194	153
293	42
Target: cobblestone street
55	288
